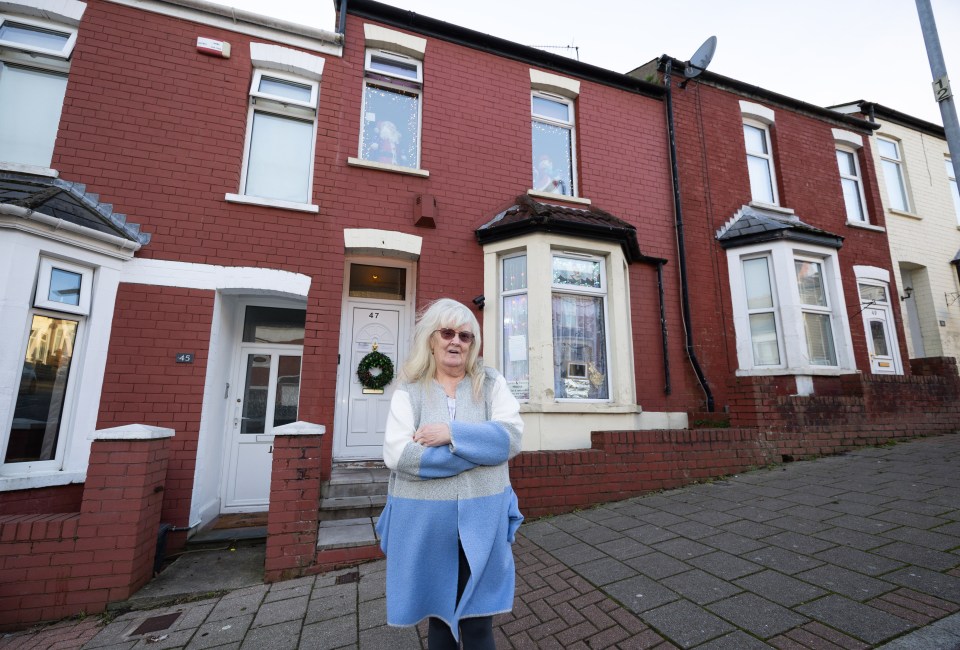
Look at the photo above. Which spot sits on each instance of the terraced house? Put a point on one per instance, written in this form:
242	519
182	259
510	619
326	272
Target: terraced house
210	218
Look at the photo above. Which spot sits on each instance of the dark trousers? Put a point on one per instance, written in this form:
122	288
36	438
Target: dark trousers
475	633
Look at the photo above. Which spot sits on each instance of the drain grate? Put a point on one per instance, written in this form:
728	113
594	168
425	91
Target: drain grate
347	578
156	624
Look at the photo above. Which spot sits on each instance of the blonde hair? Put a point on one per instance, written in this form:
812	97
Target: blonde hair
420	364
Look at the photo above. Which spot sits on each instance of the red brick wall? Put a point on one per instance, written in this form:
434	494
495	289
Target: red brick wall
769	426
143	384
715	184
292	521
62	498
58	565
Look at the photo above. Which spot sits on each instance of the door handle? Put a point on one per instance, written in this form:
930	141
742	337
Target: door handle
271	450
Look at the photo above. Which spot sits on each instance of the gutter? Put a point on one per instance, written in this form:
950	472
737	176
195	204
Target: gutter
121	243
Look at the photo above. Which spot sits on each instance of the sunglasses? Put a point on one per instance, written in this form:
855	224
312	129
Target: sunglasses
447	334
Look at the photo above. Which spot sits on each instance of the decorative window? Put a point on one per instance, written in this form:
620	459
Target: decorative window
392	93
891	161
516	363
763	182
785	310
852	185
281	133
34	63
952	179
34	437
579	327
554	143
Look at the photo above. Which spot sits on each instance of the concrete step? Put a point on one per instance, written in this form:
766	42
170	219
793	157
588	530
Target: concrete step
333	508
347	533
350	481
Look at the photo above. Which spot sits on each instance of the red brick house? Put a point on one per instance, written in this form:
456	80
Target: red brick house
220	215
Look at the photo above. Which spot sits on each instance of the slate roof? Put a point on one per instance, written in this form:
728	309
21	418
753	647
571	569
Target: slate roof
751	225
528	215
69	201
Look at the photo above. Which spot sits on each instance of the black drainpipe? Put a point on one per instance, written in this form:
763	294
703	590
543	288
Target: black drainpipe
342	26
681	251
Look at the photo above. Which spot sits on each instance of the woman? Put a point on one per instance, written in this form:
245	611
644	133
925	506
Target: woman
451	514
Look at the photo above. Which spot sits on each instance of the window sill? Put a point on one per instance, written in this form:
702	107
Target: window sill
595	406
866	226
39	480
901	213
29	169
771	206
272	203
788	372
552	196
384	167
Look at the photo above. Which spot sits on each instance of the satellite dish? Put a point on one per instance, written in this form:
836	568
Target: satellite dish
701	58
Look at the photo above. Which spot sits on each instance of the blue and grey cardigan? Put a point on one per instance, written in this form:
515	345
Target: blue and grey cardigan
439	494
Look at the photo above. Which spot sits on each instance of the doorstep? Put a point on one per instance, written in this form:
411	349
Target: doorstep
347	533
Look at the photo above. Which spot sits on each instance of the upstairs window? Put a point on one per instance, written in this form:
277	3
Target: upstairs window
392	93
952	179
34	63
763	182
852	185
554	144
891	161
281	132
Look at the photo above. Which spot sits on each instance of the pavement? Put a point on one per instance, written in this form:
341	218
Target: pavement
855	551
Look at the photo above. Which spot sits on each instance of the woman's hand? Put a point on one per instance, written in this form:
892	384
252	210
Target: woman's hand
432	435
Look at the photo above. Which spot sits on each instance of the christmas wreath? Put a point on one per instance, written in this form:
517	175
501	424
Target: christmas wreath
379	361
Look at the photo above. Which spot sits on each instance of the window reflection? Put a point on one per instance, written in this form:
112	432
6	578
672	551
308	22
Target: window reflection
43	384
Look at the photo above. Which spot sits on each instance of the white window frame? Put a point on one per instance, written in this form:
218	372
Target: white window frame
601	293
857	178
284	108
402	84
952	184
56	62
41	299
767	157
821	310
41	25
570	125
65	426
503	294
774	309
782	255
901	176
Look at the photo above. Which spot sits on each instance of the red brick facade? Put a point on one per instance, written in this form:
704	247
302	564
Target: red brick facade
158	129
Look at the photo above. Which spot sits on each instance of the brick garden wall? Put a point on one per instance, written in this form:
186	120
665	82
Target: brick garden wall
62	564
769	426
61	498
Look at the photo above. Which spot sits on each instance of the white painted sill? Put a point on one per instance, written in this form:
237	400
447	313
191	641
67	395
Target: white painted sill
385	167
272	203
40	480
866	226
770	206
789	372
900	213
552	196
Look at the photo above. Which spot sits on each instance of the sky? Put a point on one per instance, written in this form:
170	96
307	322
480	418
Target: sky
823	52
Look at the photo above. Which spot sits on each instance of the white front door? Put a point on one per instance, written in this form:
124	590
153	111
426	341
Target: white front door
267	394
878	325
363	424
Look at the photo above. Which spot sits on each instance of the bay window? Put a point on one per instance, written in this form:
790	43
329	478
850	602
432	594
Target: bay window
788	310
516	363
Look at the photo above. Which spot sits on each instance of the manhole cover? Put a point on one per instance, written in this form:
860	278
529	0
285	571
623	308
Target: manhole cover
156	623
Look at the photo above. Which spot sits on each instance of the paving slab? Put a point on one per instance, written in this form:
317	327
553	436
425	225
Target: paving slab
863	622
